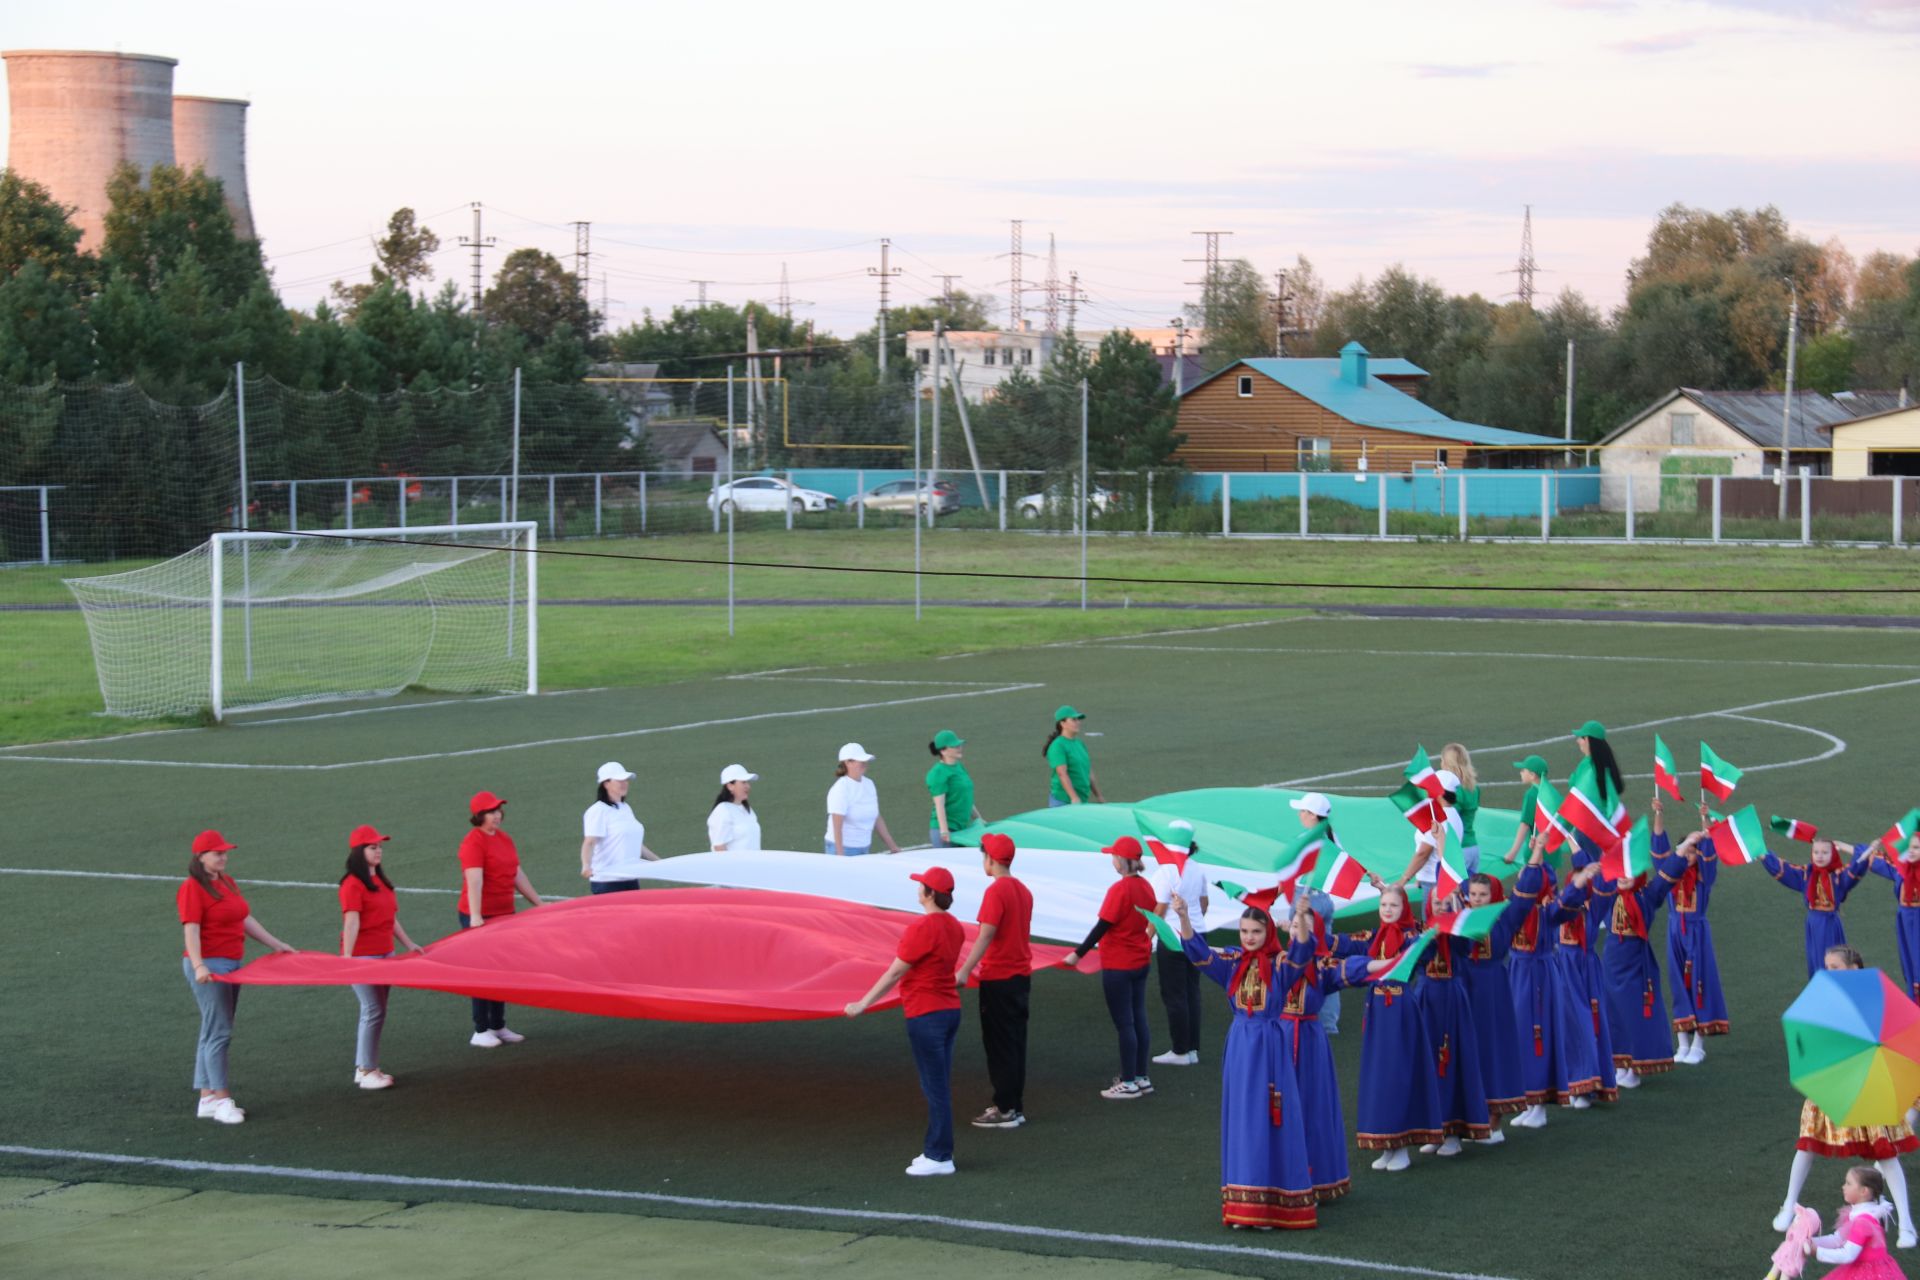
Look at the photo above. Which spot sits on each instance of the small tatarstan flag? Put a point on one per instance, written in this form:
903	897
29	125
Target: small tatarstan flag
1421	786
1468	922
1717	777
1900	832
1583	809
1546	815
1794	828
1302	856
1632	856
1410	958
1345	877
1739	839
1666	775
1169	936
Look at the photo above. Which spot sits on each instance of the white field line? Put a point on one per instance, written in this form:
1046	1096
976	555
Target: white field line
523	746
1559	657
980	1225
784	678
1627	728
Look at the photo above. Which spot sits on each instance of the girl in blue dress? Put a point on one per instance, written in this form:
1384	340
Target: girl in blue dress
1399	1091
1490	993
1824	883
1265	1178
1636	1013
1585	1043
1693	971
1453	1042
1316	1085
1902	866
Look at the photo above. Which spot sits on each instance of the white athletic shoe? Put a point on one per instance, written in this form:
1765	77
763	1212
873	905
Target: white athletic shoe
1493	1139
508	1037
1534	1117
375	1079
1697	1054
223	1110
486	1040
1451	1147
1397	1161
1582	1102
1172	1059
1629	1078
925	1168
1784	1219
1428	1148
1385	1158
1907	1239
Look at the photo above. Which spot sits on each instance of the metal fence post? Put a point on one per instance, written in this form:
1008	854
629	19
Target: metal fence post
293	506
596	504
553	530
1715	486
860	508
1629	479
1806	506
789	502
453	501
643	502
46	540
1546	504
1303	504
716	500
349	484
1226	504
1003	500
403	502
1383	504
503	499
1896	510
1149	502
1463	504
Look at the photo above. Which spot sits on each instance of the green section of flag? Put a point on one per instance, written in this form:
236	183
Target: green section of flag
1411	960
1720	769
1228	887
1169	936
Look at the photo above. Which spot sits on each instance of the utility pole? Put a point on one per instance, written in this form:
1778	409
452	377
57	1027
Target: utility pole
1525	270
700	301
1786	411
933	473
1569	455
1073	299
946	290
886	274
479	244
1015	256
582	255
1281	299
1210	283
1179	356
785	300
1052	285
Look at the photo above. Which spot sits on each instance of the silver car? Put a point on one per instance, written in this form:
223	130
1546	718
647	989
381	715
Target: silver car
905	495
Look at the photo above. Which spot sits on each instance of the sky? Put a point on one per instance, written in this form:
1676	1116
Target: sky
721	142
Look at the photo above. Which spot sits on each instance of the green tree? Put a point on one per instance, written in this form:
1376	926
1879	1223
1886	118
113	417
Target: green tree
43	328
1236	313
1826	363
150	227
538	298
402	256
34	227
1130	408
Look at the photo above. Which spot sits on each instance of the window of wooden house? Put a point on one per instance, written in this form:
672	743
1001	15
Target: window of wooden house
1682	428
988	356
705	466
1439	457
1246	386
1315	453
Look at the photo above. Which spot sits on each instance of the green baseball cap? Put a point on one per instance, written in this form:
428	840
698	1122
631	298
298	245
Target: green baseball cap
1534	764
1591	729
948	738
1064	712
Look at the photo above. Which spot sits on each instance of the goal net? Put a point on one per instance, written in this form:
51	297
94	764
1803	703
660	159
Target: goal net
255	620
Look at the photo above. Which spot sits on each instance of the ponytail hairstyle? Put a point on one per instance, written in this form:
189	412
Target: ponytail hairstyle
726	797
602	797
840	770
1870	1178
361	870
1455	759
1600	751
941	900
933	749
204	878
1048	744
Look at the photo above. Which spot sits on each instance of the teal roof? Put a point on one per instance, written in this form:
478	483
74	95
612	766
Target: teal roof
1378	405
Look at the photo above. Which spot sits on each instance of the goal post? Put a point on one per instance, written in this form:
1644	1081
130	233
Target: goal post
254	620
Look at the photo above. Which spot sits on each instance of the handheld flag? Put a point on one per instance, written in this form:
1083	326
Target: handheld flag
1738	838
1584	810
1794	828
1666	775
1422	784
1171	843
1302	856
1546	815
1717	777
1261	898
1632	856
1168	935
1900	832
1344	877
1410	958
1468	922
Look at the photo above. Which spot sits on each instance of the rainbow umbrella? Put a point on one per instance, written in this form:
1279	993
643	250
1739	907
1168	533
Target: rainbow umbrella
1853	1046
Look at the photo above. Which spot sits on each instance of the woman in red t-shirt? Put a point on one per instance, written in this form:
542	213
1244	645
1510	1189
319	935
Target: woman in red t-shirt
1121	934
217	925
923	966
369	922
489	876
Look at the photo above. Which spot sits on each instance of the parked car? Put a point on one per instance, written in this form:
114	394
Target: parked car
1062	499
769	493
905	495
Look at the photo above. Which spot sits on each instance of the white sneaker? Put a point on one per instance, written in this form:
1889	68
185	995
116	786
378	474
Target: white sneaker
1397	1161
486	1040
375	1079
1172	1059
1629	1078
1385	1157
1534	1117
1122	1090
1582	1102
223	1110
1907	1239
1493	1139
1451	1147
1783	1219
1193	1058
508	1037
925	1168
1697	1054
1428	1148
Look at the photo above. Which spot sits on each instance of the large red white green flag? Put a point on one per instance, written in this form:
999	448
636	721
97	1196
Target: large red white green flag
1900	832
1717	777
1739	838
1586	810
1666	775
1631	857
1300	857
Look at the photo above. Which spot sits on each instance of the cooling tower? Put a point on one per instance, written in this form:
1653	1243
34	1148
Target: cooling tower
76	116
211	133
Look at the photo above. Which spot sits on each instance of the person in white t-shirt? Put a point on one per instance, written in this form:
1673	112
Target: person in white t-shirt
733	827
1179	980
853	807
615	842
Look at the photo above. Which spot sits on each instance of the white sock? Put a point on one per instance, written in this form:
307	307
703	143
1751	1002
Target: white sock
1897	1191
1913	1118
1683	1044
1797	1178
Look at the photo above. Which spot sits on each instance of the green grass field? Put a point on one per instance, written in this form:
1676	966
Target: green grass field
1677	1179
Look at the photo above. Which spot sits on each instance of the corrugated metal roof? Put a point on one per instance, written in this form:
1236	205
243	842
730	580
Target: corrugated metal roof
1757	414
678	440
1379	405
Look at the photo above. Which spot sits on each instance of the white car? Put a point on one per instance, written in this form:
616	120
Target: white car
1034	504
769	493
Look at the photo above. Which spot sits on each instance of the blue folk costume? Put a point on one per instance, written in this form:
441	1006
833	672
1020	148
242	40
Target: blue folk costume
1906	914
1399	1092
1586	1043
1454	1045
1316	1085
1544	1076
1490	992
1693	972
1636	1013
1825	889
1265	1177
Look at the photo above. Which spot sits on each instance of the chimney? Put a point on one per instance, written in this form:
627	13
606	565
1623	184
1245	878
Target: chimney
1353	364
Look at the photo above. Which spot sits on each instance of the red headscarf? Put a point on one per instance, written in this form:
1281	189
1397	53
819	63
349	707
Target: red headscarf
1529	932
1263	956
1821	878
1629	902
1909	877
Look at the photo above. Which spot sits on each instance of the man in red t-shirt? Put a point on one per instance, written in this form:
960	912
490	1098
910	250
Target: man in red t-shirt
1004	959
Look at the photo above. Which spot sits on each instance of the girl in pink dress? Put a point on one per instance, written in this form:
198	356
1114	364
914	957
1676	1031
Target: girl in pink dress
1859	1239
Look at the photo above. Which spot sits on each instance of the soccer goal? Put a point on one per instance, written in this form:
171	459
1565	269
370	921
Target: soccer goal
249	621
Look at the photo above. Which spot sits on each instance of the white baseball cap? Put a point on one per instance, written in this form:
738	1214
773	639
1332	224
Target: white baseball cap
613	771
1448	779
737	773
1312	802
854	751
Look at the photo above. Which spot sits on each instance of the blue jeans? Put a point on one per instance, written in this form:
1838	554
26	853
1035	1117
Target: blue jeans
1330	1014
612	886
373	1016
931	1035
1126	992
851	851
938	841
1057	804
1471	854
488	1015
217	1001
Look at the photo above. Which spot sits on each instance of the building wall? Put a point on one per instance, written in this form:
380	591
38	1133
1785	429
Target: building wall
1226	431
1647	451
1853	444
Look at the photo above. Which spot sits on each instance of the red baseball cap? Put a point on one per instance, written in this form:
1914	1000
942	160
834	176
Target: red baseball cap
1126	847
484	801
364	834
997	847
211	842
938	879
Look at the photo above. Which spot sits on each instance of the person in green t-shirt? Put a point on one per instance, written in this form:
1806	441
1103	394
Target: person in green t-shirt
951	788
1454	756
1071	779
1533	772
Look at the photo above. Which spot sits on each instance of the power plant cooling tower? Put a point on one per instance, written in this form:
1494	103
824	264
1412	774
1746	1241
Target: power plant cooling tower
211	134
76	116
